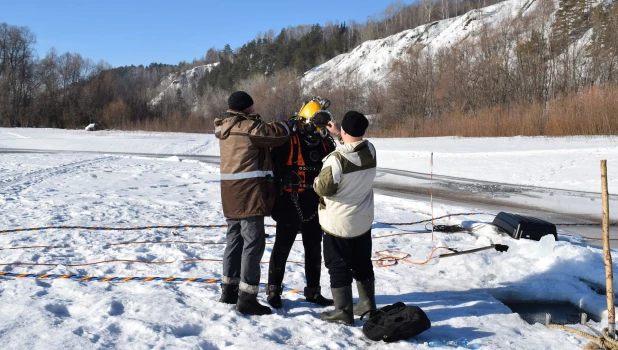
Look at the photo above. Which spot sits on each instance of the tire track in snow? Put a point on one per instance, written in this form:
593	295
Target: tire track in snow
15	135
18	183
198	149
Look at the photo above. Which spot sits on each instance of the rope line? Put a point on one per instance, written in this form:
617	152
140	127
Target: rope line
399	234
612	223
605	341
391	257
66	246
127	243
36	247
163	242
587	237
223	243
424	221
109	278
175	227
383	260
129	261
86	278
105	228
388	257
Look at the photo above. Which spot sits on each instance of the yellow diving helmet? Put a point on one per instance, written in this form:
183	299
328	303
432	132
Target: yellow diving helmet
314	113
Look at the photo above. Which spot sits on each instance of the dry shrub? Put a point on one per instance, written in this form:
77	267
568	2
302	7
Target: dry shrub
275	94
591	112
175	122
115	115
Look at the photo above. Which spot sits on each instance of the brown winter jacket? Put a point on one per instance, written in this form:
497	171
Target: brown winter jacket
247	187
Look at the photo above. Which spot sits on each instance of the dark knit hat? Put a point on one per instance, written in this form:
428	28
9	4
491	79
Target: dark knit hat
239	101
354	123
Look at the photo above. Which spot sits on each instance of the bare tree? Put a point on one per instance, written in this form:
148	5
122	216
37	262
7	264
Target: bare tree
16	73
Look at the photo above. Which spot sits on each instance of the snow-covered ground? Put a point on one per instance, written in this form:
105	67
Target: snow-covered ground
461	295
571	163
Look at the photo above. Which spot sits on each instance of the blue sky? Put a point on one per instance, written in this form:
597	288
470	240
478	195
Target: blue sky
140	32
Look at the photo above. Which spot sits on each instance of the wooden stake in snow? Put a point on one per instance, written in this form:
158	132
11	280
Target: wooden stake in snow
431	192
609	274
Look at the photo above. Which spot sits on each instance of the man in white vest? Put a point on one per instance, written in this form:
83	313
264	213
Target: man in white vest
346	215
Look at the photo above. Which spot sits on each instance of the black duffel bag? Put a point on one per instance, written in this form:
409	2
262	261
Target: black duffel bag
396	322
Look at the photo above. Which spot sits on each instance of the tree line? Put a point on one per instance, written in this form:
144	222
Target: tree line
67	90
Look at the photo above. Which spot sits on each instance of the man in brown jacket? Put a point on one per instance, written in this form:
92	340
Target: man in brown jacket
247	194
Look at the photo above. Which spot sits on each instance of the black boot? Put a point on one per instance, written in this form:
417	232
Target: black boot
274	296
343	307
366	298
229	293
312	294
247	304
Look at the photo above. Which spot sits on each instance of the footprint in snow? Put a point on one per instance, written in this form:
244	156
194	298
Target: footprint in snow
41	293
40	283
116	308
187	330
59	310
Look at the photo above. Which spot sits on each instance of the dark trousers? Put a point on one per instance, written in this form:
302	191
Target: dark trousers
246	241
312	241
348	259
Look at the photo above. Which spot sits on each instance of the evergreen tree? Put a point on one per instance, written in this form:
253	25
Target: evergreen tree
572	17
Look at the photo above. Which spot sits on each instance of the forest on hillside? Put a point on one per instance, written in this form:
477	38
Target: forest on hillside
519	78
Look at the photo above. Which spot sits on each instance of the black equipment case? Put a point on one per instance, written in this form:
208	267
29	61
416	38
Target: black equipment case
519	226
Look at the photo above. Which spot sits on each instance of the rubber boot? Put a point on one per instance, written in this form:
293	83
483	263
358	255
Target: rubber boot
274	296
342	298
229	293
366	298
248	305
312	295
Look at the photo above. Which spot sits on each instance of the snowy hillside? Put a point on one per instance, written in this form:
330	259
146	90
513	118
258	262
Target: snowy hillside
186	82
372	61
